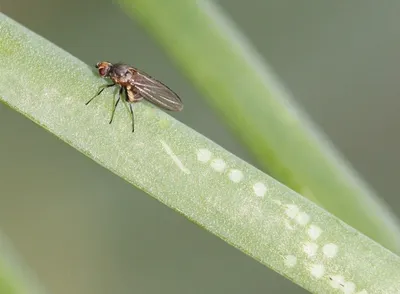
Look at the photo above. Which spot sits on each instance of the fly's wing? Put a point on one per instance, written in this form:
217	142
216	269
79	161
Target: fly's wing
156	92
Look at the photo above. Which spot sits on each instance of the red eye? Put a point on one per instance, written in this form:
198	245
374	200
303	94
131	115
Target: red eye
102	71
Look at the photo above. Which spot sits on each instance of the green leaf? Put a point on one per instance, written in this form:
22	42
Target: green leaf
15	277
189	173
237	83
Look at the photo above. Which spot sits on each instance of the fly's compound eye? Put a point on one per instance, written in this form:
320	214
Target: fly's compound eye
102	71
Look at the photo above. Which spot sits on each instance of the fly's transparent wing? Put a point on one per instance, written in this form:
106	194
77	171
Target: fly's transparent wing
156	92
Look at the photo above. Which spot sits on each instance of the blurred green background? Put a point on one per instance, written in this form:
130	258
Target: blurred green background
84	230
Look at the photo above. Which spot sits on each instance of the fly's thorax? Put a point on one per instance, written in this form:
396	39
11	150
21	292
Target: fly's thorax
120	74
120	70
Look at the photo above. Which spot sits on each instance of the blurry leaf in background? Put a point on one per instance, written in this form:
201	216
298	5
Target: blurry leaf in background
15	276
221	63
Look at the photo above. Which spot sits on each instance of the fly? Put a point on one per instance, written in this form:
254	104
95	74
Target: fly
136	85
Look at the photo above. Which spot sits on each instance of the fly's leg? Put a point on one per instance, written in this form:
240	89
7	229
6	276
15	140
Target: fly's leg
133	118
116	103
98	93
132	96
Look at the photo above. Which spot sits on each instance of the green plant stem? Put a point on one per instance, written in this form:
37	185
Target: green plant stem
189	173
15	277
218	60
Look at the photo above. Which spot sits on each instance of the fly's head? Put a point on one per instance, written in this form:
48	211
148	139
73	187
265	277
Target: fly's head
104	68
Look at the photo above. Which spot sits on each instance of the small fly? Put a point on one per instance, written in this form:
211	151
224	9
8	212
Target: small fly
136	85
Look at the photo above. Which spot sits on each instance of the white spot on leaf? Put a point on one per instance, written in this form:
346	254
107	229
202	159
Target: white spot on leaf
349	288
203	155
310	249
330	250
277	202
235	175
302	218
218	165
290	260
337	281
291	210
175	158
260	189
317	270
287	225
314	232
